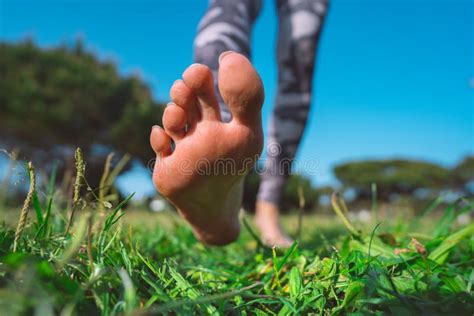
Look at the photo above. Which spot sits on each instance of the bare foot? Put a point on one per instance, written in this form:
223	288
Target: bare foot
203	176
267	221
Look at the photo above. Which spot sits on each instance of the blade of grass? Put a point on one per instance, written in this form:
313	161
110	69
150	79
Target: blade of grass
76	241
102	184
335	205
374	202
302	204
129	293
189	290
26	206
38	210
440	254
204	300
42	230
80	170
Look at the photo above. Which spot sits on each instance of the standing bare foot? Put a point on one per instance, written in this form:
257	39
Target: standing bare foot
203	176
267	221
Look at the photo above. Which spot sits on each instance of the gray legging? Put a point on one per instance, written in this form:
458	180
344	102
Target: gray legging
227	25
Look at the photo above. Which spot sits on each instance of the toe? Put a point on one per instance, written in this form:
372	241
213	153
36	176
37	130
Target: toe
184	97
199	79
174	121
160	141
240	87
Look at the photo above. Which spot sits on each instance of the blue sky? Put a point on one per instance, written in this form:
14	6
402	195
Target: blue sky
394	78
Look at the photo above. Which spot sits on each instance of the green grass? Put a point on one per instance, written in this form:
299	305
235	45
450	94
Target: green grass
120	261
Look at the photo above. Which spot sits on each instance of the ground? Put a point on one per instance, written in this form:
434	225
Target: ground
151	263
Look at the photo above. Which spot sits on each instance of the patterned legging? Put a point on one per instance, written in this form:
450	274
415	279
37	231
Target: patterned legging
227	25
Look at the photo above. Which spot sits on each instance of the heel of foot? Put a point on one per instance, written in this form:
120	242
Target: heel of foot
219	234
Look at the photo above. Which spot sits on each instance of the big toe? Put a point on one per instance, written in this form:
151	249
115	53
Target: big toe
240	87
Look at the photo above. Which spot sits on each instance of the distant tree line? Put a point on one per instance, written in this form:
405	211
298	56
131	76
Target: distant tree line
404	177
394	179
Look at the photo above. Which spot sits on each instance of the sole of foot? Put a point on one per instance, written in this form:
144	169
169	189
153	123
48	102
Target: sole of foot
202	173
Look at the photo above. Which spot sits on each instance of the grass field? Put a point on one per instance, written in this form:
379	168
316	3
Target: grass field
113	260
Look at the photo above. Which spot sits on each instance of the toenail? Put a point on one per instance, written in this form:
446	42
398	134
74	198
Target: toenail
221	56
195	64
192	66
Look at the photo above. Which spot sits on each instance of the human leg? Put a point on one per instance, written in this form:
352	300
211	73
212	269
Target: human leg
300	23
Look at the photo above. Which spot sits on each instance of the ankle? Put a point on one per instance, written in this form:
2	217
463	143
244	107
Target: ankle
266	213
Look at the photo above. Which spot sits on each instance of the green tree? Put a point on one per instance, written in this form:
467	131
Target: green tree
54	100
463	174
396	176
